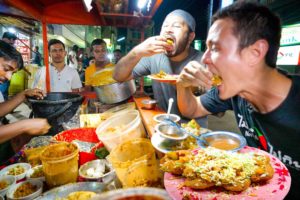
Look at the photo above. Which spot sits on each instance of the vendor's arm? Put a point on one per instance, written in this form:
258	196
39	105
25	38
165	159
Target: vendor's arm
29	126
8	106
151	46
193	75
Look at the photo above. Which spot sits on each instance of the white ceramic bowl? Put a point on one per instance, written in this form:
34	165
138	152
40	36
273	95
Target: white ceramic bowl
160	117
170	132
10	180
107	176
32	170
25	166
38	192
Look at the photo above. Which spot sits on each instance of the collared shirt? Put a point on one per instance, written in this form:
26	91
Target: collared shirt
63	81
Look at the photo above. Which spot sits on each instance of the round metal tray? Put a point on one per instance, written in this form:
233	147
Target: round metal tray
64	190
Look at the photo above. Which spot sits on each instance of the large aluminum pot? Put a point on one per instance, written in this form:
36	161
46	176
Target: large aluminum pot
116	92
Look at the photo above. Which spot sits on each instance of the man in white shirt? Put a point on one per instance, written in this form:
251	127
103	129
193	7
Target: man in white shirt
73	62
62	77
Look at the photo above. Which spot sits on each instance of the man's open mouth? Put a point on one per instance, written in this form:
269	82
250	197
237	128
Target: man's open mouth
216	80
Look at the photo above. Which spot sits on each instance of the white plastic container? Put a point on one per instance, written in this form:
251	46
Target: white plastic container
119	128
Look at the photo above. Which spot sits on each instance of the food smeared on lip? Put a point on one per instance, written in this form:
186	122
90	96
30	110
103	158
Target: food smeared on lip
216	80
170	41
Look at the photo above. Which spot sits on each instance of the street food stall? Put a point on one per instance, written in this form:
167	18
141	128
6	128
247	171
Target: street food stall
131	149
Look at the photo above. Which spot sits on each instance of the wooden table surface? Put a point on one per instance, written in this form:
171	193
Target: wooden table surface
147	115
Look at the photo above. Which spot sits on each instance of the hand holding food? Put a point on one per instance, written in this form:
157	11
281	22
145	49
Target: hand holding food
152	45
195	75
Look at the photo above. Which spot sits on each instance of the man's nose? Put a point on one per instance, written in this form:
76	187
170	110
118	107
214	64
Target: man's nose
206	57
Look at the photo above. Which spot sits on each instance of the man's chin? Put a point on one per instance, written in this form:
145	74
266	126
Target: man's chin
170	54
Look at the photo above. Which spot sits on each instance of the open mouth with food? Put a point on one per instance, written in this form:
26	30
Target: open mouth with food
171	41
216	80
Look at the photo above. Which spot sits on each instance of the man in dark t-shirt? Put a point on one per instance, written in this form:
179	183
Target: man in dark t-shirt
242	46
169	52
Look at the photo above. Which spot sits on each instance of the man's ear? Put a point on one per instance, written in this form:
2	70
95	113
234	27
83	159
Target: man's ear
256	52
191	37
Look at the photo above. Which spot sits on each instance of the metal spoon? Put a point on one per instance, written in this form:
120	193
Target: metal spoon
171	100
198	138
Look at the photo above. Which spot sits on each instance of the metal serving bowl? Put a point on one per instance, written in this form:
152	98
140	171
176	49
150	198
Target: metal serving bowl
170	132
65	190
223	140
149	104
106	177
134	193
161	117
115	92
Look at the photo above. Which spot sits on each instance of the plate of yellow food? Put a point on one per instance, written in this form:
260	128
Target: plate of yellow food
164	77
211	173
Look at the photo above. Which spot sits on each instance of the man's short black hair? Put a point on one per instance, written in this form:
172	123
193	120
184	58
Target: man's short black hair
253	22
9	35
55	41
97	42
9	53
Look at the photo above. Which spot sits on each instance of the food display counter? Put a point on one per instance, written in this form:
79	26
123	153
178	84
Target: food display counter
133	161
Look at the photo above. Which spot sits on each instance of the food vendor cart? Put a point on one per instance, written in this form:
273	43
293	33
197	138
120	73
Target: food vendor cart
134	161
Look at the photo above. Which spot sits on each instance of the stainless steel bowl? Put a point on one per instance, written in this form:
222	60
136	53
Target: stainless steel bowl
223	140
160	117
65	190
108	175
115	92
149	104
134	193
170	132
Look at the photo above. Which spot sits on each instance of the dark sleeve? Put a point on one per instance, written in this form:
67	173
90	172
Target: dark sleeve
212	103
142	68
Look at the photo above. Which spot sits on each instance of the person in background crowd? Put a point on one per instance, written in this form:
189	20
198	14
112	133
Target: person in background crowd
117	55
85	61
11	61
63	77
242	46
72	57
9	38
37	57
170	52
99	51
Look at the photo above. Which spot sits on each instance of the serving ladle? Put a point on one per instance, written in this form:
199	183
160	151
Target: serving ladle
174	124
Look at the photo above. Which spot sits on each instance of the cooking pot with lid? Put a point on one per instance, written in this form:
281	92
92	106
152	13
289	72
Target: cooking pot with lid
115	92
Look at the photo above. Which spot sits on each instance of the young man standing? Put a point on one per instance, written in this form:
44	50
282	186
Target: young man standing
62	77
99	50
